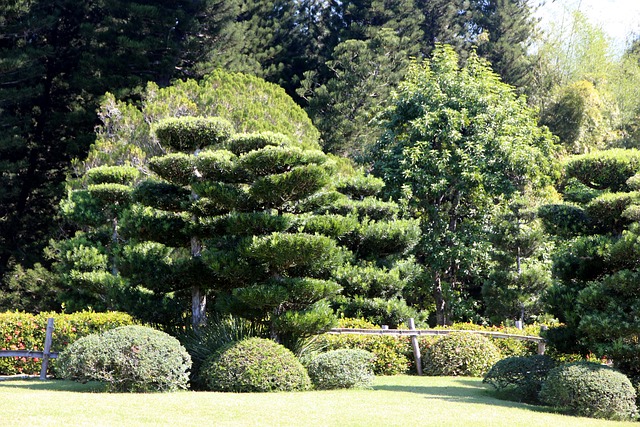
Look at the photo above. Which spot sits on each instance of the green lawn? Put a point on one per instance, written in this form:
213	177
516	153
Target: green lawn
393	401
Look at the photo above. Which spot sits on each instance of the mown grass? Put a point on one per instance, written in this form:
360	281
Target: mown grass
393	401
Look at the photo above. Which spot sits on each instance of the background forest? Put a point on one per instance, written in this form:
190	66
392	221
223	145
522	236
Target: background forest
443	160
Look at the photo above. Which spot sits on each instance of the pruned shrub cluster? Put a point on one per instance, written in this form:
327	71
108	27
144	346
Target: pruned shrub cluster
464	354
128	359
254	365
346	368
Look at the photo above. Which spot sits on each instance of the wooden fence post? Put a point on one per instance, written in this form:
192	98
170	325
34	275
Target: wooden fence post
416	347
47	349
542	345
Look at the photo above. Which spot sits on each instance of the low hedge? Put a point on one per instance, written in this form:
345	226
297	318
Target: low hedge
24	331
392	353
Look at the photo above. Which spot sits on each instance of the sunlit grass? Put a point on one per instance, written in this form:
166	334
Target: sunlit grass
393	401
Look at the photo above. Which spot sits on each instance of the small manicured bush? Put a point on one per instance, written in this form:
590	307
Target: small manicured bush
520	378
346	368
254	365
128	359
590	389
463	354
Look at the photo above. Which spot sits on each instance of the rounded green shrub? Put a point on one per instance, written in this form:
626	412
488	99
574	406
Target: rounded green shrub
590	389
254	365
346	368
463	354
128	358
520	377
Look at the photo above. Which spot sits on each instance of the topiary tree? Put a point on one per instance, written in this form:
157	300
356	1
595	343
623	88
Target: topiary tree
591	390
127	359
249	103
87	262
596	271
254	365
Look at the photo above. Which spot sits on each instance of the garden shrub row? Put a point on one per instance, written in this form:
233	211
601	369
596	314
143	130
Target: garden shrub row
394	355
24	331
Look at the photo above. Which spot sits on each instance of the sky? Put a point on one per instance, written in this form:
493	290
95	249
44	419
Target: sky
618	18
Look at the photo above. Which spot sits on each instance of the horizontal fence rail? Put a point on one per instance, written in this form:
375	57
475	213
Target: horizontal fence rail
44	355
415	333
411	332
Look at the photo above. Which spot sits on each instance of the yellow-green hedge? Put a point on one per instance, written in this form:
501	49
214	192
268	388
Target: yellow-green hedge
24	331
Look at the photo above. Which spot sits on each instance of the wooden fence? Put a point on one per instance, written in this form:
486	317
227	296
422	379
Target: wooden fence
415	333
44	355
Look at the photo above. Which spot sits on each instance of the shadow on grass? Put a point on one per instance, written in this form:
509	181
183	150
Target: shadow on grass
53	385
467	391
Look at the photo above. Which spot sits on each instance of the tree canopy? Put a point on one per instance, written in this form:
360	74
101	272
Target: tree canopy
458	143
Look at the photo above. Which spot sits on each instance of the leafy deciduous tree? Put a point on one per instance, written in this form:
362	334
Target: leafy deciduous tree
457	143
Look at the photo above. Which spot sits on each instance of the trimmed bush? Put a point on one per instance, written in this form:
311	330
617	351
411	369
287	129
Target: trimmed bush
191	133
520	377
112	175
346	368
128	359
591	390
23	331
463	354
254	365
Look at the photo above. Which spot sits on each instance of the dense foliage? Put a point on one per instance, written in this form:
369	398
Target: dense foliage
465	354
458	143
254	365
590	389
345	368
596	270
24	331
520	378
127	359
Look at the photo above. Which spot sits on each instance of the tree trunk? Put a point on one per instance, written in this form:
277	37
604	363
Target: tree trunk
442	318
198	308
198	297
114	242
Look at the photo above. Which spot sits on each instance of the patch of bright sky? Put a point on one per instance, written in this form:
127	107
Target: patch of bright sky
620	19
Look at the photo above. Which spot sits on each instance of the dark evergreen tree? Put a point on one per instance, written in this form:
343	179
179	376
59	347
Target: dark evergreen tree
363	75
57	58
